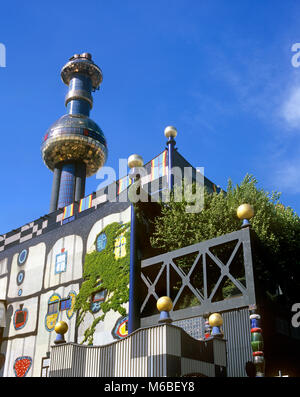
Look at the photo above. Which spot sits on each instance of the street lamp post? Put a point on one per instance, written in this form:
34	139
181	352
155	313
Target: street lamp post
170	133
134	162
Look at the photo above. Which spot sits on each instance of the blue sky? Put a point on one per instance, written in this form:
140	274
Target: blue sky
218	70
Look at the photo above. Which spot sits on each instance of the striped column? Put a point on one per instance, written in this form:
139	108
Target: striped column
257	343
207	329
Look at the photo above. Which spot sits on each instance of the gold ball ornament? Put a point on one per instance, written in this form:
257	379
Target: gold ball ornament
215	320
135	160
61	327
164	303
245	211
170	131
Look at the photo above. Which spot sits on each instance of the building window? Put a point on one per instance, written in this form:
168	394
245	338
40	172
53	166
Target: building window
97	299
65	304
101	242
61	262
53	307
53	312
120	247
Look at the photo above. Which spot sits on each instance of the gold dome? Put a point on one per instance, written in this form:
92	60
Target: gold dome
61	327
164	303
245	211
170	131
215	320
135	160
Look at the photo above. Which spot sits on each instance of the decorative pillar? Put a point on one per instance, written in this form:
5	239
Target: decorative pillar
164	305
60	328
257	342
134	162
216	321
170	133
245	212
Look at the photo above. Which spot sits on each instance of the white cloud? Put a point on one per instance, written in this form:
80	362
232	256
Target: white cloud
291	108
287	176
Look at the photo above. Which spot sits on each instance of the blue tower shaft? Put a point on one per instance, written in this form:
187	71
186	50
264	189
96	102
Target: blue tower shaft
67	185
72	179
79	99
74	147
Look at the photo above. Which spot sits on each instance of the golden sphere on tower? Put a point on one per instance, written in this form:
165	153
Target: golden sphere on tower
215	320
61	327
135	160
170	131
164	303
245	211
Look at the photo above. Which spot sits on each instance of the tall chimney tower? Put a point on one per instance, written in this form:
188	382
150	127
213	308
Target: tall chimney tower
74	147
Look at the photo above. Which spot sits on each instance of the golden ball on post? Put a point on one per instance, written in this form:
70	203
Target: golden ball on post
245	211
164	303
215	320
135	160
170	131
61	327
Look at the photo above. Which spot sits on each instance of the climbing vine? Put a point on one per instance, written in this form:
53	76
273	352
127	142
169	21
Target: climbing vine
103	271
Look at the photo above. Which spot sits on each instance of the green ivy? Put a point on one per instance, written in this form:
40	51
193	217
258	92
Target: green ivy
102	271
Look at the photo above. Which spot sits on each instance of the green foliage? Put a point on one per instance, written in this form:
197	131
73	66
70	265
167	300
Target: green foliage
102	271
276	227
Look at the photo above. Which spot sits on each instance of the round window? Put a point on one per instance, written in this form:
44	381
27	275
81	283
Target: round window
20	277
22	257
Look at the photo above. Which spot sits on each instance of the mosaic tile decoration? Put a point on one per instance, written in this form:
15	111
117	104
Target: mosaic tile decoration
85	203
22	365
24	233
192	326
20	318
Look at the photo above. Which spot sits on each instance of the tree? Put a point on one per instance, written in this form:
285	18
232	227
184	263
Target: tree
275	229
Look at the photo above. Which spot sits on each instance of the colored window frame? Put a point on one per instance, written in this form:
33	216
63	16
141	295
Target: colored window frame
120	247
61	266
65	304
53	307
101	242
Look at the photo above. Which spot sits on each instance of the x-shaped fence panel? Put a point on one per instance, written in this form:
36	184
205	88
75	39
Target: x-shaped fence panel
203	274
